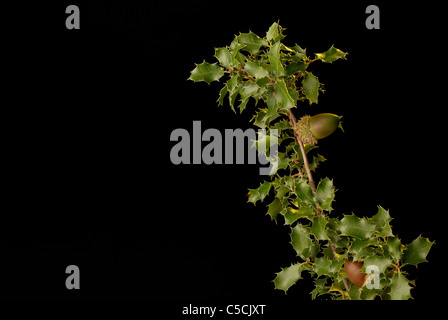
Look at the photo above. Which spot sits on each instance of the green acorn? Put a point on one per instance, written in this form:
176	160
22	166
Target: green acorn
310	129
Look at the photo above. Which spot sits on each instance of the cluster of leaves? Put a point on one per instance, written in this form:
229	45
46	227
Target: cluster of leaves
264	68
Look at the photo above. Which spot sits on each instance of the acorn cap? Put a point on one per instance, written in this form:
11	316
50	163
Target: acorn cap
304	132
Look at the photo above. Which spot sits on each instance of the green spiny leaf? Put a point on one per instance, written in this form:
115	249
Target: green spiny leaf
222	95
381	216
274	33
382	219
331	55
399	287
235	47
300	239
393	248
365	253
356	227
304	193
264	140
295	67
243	104
316	161
381	262
281	161
206	72
255	70
274	58
358	244
252	42
312	251
282	191
274	208
325	194
417	251
299	53
310	85
282	96
287	277
248	90
322	266
232	83
259	193
325	266
370	294
318	228
234	94
224	57
320	287
292	215
355	292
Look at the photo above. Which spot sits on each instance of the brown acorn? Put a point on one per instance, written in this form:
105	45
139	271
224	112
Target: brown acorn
310	129
354	274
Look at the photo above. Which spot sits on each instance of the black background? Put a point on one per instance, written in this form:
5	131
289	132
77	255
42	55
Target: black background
87	178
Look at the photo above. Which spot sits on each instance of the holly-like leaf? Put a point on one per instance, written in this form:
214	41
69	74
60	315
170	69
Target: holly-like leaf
316	161
281	191
300	239
393	248
381	216
322	266
304	193
255	70
399	287
292	215
264	141
252	42
356	227
365	253
312	251
207	72
331	55
264	116
287	277
370	294
274	59
243	104
279	162
358	245
355	292
233	94
224	57
274	208
248	90
417	251
320	287
282	96
381	220
232	83
325	194
222	95
259	193
325	266
381	262
295	67
318	228
310	85
299	53
274	33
